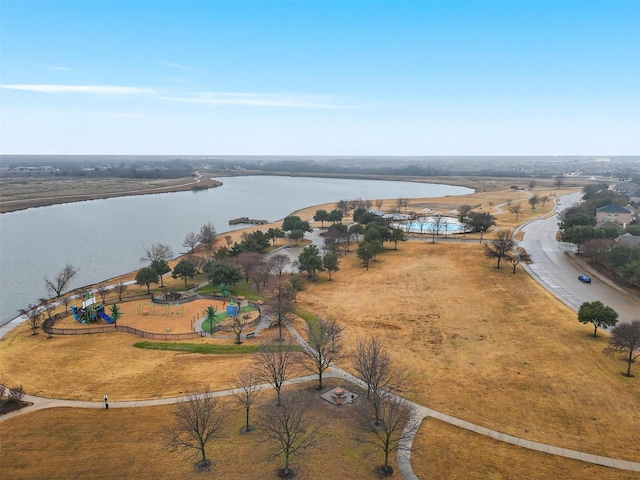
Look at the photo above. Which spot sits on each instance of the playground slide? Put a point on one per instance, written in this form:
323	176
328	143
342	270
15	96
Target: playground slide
75	314
106	317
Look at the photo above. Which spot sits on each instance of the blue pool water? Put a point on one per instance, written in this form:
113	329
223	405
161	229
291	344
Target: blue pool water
446	226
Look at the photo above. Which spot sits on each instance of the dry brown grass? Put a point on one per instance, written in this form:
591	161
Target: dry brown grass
476	342
485	345
28	192
442	451
128	443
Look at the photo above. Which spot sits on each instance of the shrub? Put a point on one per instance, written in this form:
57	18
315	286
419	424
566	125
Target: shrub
16	394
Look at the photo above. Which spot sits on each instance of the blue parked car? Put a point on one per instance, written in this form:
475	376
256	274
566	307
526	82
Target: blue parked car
584	278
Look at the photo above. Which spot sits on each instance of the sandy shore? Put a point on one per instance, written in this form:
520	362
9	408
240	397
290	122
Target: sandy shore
20	193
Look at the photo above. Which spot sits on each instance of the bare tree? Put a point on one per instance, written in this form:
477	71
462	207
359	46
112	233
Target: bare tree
379	203
190	241
280	306
533	201
279	262
373	365
120	288
274	364
422	222
501	247
625	338
508	202
544	199
102	290
198	420
261	274
289	430
518	256
559	181
296	284
343	206
207	235
516	209
47	305
229	240
597	248
463	211
248	261
394	429
437	224
33	314
157	252
62	280
66	301
324	338
197	261
238	323
532	184
247	392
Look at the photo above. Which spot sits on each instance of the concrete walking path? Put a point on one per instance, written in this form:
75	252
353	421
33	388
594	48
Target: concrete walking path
403	460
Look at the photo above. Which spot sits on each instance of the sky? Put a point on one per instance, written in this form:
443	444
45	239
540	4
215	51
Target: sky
301	77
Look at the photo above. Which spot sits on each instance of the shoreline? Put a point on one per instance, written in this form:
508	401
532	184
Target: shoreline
199	183
202	182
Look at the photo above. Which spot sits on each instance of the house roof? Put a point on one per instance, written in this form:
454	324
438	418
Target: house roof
613	208
629	239
631	186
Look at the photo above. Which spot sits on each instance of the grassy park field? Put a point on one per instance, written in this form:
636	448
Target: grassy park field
476	342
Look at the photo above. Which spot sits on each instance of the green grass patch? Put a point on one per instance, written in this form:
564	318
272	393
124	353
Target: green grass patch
208	289
307	316
205	348
246	290
242	289
221	315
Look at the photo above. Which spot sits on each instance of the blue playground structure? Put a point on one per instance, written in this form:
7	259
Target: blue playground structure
90	311
106	317
232	309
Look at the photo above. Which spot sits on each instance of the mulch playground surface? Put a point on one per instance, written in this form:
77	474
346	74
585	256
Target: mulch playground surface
157	318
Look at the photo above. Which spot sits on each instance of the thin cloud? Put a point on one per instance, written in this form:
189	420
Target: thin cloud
175	65
60	69
91	89
259	100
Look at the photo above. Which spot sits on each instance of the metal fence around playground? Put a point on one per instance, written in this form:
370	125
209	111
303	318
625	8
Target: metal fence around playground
125	329
48	326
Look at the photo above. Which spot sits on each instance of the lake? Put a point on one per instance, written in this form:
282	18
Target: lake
106	238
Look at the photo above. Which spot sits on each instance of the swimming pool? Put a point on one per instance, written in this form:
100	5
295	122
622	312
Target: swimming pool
430	225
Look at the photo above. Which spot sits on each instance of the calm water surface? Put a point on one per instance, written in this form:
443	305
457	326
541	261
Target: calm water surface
106	238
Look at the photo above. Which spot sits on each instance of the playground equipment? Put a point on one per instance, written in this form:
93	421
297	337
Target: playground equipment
158	309
232	309
90	311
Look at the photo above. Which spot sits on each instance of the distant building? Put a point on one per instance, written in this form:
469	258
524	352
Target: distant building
629	240
614	214
626	187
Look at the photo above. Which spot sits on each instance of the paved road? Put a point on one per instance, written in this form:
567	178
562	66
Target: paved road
552	267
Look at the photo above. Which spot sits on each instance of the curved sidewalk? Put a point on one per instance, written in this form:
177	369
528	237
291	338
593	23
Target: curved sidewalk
404	463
